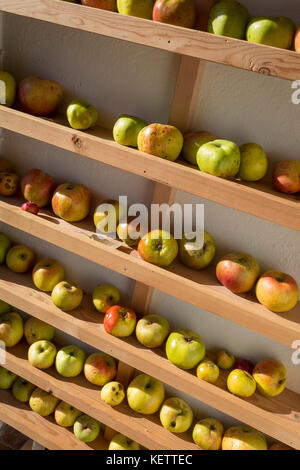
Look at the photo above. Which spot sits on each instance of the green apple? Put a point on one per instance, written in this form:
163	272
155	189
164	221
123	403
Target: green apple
41	354
197	255
20	259
47	273
65	415
7	88
36	330
219	158
67	296
104	296
228	18
271	31
225	359
241	383
192	143
113	393
127	129
81	115
207	434
176	415
69	361
145	394
208	371
185	349
254	162
121	442
86	429
140	8
243	438
11	329
22	390
5	245
161	140
7	378
42	402
152	330
4	307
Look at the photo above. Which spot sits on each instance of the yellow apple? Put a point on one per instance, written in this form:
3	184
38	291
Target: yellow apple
152	330
270	377
41	354
176	415
107	216
7	89
36	330
67	296
20	259
243	438
225	360
208	371
104	296
11	328
47	273
241	383
22	390
113	393
7	378
121	442
42	402
145	394
207	434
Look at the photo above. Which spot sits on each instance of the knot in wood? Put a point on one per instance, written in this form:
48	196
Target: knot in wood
77	141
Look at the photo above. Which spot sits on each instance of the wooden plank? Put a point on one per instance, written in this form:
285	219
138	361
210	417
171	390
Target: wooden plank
258	199
233	52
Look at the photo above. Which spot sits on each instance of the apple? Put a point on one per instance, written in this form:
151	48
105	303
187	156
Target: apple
121	442
113	393
110	5
11	328
69	361
197	256
129	232
243	438
270	376
104	296
119	321
141	9
192	142
47	273
5	245
208	371
297	40
152	330
22	390
20	259
127	129
225	359
67	296
228	18
4	307
219	158
238	272
7	89
81	115
43	403
271	31
244	364
65	415
185	349
280	446
207	434
176	12
100	368
254	162
161	140
286	176
8	184
176	415
41	354
107	216
241	383
86	429
158	247
145	394
7	378
71	202
30	207
37	187
36	330
40	97
277	291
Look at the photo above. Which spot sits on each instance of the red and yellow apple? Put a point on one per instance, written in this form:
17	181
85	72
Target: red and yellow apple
161	140
11	329
110	5
176	12
145	394
238	272
185	349
71	202
208	371
30	207
8	183
241	383
176	415
158	247
194	254
243	438
37	187
40	97
119	321
42	402
100	368
207	434
286	176
192	142
65	415
36	330
277	291
152	330
270	376
104	296
47	273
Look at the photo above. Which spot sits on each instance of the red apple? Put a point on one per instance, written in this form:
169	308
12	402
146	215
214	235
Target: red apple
119	321
244	364
100	368
277	291
37	187
71	202
238	272
176	12
40	97
286	176
297	40
110	5
30	207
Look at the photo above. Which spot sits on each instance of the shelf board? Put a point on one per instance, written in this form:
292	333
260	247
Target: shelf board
78	392
199	288
42	430
278	417
258	199
233	52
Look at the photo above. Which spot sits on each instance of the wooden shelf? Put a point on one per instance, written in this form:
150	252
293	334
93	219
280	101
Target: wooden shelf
278	417
236	53
258	199
42	430
199	288
78	392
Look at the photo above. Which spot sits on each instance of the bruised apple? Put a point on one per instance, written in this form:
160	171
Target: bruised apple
42	402
71	202
207	434
81	115
37	187
176	415
86	429
119	321
277	291
238	272
113	393
158	247
8	184
286	176
100	368
40	97
176	12
161	140
110	5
